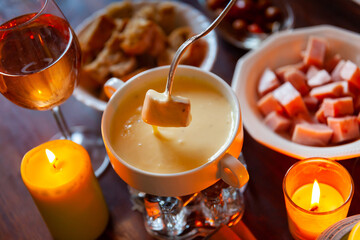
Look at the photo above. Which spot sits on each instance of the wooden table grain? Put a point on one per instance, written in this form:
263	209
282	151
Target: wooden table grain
265	214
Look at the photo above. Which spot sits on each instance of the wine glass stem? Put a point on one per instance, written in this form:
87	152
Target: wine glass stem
60	121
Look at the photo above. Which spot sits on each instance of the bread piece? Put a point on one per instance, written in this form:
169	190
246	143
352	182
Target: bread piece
143	36
94	37
123	9
165	16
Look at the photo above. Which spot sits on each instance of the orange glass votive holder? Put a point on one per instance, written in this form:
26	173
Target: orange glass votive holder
336	192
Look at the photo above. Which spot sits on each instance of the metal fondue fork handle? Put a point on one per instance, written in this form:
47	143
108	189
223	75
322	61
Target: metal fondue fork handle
187	43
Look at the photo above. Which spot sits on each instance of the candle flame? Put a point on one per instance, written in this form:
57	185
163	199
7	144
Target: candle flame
51	156
315	196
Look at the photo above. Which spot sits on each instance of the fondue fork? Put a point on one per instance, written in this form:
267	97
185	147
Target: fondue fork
164	110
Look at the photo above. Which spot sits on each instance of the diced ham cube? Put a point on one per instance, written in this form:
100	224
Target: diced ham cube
351	73
277	122
356	100
335	74
311	102
302	53
281	70
330	90
290	99
268	104
345	128
346	89
319	115
311	71
297	79
300	118
315	52
315	134
320	78
331	63
337	107
268	82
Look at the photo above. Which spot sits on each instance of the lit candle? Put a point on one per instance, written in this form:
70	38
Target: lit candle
317	193
317	197
60	179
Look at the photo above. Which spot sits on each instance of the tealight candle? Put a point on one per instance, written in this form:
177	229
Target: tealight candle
317	194
311	195
60	179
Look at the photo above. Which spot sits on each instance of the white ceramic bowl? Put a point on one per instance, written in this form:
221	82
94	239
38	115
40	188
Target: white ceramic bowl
278	50
186	15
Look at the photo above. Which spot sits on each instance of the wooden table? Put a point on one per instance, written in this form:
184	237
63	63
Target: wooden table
265	214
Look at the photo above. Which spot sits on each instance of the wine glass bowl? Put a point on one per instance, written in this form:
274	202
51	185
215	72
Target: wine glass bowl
39	60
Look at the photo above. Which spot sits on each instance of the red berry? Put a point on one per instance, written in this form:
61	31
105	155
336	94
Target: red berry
254	28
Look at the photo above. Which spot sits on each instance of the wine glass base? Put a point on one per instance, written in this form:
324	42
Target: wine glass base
94	145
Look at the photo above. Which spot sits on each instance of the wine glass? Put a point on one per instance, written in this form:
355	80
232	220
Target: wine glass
40	59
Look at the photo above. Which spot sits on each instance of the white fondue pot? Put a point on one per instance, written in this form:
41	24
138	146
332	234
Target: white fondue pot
223	165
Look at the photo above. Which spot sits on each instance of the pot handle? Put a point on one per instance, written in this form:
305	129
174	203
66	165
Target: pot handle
232	171
112	85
